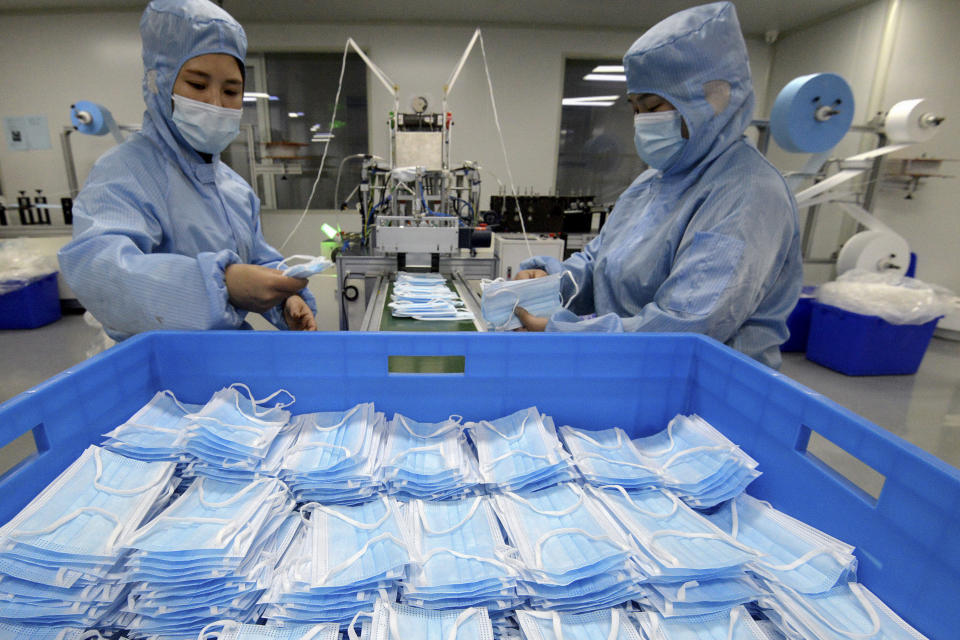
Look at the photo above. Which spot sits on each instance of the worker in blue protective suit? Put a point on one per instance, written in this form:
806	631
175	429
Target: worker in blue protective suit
166	236
706	240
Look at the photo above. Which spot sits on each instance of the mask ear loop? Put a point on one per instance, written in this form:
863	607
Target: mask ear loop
255	402
576	287
225	625
351	631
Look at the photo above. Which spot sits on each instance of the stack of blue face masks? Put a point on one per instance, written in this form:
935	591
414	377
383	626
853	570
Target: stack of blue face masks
393	621
696	462
426	296
200	560
231	630
609	457
332	459
612	624
572	555
520	452
339	560
59	555
701	597
793	553
681	544
540	296
232	435
427	460
154	432
310	266
676	545
15	631
844	612
732	624
459	557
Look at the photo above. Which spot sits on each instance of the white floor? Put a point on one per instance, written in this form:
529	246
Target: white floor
923	408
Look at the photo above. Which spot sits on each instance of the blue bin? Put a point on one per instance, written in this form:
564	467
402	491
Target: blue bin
906	539
860	345
32	305
798	322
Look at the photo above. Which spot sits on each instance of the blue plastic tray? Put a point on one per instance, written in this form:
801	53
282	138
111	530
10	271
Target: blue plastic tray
906	540
860	345
31	306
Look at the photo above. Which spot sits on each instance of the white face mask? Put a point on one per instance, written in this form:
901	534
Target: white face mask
658	137
206	127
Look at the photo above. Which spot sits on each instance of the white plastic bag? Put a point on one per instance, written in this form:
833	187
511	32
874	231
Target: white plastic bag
20	265
891	296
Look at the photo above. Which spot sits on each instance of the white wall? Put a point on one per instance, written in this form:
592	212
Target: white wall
48	61
925	54
924	48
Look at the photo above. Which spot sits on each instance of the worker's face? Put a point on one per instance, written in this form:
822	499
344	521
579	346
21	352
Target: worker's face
651	103
213	78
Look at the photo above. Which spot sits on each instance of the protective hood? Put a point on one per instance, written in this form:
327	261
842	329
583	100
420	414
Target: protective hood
697	60
174	31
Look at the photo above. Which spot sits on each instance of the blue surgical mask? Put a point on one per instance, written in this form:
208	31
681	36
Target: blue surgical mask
735	624
562	534
540	296
658	137
681	543
397	621
34	632
845	612
794	553
233	630
459	555
206	127
518	450
153	432
612	624
83	515
310	266
609	457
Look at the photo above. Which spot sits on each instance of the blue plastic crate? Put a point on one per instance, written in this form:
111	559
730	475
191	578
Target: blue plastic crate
860	345
906	539
31	306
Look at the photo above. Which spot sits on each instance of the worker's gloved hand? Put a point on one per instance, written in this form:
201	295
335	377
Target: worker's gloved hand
530	274
255	288
529	321
298	315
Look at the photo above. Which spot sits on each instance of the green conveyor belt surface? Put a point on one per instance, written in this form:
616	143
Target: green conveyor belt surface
389	323
423	364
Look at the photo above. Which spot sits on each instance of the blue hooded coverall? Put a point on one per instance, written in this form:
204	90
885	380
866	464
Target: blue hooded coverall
710	244
155	225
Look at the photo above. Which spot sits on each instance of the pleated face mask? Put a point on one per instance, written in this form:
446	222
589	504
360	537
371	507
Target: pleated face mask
539	296
306	266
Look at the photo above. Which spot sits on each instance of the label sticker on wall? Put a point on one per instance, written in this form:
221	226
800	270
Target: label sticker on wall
26	133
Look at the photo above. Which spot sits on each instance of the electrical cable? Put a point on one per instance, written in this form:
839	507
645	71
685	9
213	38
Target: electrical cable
503	146
326	147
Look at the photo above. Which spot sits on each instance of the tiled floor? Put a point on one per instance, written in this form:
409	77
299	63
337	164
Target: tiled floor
923	409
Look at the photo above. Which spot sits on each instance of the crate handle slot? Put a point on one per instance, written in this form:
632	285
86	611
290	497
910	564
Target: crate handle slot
849	470
21	449
427	364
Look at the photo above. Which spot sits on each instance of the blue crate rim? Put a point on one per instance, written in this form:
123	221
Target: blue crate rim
152	338
830	307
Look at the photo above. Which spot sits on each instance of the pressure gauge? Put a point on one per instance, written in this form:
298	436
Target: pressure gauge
419	104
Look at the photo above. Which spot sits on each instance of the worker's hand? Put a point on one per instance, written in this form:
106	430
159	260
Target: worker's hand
529	274
529	321
255	288
298	315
